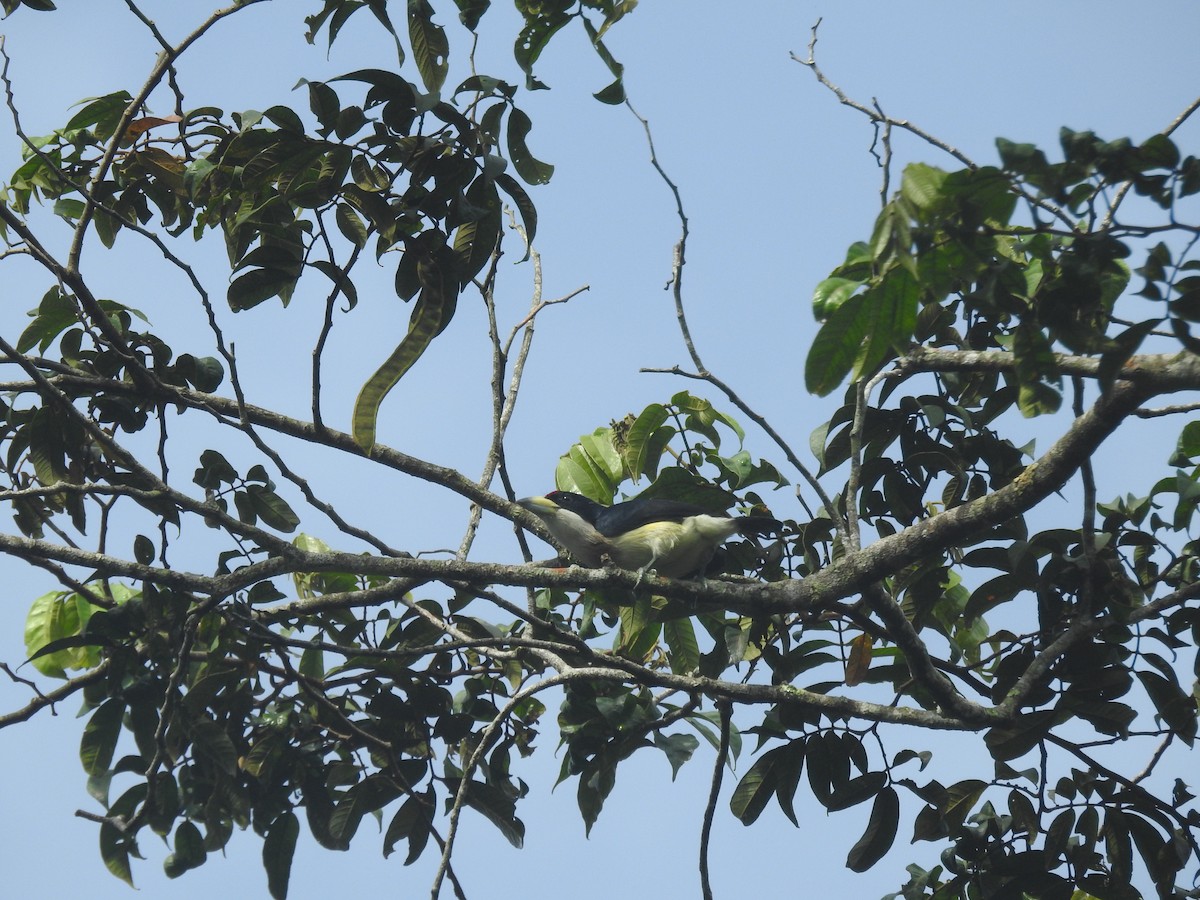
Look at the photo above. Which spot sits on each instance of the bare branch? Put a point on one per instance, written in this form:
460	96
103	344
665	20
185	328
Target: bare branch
49	698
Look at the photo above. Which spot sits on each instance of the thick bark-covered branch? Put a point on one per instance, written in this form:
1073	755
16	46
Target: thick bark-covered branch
1040	479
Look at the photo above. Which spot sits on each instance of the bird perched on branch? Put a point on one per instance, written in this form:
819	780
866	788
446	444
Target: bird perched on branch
674	539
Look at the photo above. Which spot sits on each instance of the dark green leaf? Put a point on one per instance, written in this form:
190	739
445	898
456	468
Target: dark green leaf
1013	740
1177	709
100	736
471	11
411	821
836	345
114	850
677	747
102	114
214	470
430	47
272	509
856	790
497	809
524	206
684	654
143	549
615	92
279	847
757	786
531	169
253	287
880	833
210	739
538	30
350	225
189	850
204	373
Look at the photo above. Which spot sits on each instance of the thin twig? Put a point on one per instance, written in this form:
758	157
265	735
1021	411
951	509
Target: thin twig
873	114
877	116
1126	186
726	710
59	693
762	423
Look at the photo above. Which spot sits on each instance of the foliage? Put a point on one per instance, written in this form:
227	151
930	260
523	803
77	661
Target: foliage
284	678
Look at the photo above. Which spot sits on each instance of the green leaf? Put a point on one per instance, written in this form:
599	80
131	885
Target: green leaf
639	440
836	345
430	47
702	722
702	416
677	747
1017	738
411	821
279	846
189	851
367	796
1037	398
684	655
53	618
961	799
55	314
143	550
639	632
1177	709
856	790
539	29
214	471
891	241
892	309
602	455
525	207
880	833
101	114
832	293
575	474
921	185
614	94
114	850
312	663
210	739
471	11
69	209
778	766
204	373
476	239
1058	834
498	809
272	508
251	288
531	169
351	226
100	736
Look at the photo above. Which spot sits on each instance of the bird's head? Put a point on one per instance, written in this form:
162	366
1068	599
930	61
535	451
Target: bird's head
571	518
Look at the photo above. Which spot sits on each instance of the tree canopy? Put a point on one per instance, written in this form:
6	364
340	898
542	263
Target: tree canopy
249	656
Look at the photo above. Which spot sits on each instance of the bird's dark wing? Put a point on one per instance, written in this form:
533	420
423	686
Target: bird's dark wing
758	525
623	517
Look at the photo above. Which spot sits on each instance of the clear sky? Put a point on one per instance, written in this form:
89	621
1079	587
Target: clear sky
777	180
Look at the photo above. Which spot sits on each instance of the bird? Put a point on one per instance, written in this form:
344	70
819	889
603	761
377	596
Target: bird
672	538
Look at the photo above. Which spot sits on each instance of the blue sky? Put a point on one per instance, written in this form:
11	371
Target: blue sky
776	179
